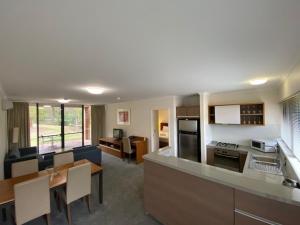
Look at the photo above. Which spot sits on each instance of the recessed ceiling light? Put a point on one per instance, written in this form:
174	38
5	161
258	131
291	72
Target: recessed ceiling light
95	90
258	81
63	100
47	106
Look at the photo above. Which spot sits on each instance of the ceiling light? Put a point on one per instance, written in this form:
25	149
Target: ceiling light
258	81
95	90
47	106
118	98
63	100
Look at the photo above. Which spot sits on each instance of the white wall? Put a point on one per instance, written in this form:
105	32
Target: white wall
163	116
141	117
291	85
3	135
242	134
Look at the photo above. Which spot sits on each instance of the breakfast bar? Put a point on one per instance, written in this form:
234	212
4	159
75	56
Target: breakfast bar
210	195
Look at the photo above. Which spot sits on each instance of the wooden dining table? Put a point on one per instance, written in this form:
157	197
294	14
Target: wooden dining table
57	177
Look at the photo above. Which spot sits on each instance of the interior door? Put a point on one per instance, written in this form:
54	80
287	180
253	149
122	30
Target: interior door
155	131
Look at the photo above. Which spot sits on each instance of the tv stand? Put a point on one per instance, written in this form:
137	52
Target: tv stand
114	147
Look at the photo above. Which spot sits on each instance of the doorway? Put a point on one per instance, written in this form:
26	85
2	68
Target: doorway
160	135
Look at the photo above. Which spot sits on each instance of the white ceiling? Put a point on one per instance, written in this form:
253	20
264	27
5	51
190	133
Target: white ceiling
143	48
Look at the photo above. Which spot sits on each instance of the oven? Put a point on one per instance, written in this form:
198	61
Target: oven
227	159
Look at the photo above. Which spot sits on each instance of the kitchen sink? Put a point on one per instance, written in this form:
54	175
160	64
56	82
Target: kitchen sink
266	164
265	159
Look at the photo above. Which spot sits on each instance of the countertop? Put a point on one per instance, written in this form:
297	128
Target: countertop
252	181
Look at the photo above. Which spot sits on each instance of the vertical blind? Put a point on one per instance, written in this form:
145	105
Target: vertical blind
291	124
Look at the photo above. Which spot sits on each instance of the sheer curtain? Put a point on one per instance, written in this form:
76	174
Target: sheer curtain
19	117
291	124
97	123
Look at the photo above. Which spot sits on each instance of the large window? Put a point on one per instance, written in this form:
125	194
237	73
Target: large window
73	126
53	127
49	127
291	124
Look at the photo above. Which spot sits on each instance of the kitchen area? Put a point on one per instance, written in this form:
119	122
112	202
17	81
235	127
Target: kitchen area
251	182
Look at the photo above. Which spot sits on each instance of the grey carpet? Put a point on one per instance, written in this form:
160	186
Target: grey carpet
122	195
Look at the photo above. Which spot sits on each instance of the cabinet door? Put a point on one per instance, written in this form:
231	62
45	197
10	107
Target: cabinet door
279	212
245	220
210	156
243	157
181	111
228	114
193	111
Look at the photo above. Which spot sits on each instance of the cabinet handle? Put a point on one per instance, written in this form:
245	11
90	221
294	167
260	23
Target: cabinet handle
258	218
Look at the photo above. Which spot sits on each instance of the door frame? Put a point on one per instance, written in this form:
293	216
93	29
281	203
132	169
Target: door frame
152	126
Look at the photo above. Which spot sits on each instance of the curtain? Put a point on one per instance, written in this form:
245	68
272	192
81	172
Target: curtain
19	117
97	123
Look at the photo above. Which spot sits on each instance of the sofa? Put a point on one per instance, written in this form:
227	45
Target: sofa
90	152
18	155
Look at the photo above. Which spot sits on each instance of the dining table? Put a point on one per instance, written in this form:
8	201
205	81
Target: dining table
57	179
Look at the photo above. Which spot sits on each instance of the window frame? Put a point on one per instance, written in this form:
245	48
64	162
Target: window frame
62	124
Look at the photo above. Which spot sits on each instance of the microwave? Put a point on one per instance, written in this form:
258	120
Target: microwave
264	145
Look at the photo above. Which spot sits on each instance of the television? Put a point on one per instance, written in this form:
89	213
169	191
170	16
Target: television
117	133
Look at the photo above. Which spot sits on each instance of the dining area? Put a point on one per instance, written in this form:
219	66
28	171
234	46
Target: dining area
27	194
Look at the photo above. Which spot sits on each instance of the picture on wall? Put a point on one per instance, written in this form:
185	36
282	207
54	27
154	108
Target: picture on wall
123	117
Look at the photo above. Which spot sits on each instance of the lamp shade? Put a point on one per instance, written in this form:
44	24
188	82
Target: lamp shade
15	136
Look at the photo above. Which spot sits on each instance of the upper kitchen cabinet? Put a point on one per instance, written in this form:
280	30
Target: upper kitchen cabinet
241	114
228	114
188	111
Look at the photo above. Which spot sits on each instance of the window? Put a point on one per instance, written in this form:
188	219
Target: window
73	126
54	127
33	124
49	127
291	124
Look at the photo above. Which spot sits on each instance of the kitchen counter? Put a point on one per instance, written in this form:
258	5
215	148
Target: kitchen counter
251	172
251	181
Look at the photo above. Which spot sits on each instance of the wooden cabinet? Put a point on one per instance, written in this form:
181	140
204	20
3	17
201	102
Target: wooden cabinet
177	198
243	157
264	209
181	111
241	219
210	156
249	114
188	111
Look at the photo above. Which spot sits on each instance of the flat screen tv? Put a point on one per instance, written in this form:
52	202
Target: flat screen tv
117	133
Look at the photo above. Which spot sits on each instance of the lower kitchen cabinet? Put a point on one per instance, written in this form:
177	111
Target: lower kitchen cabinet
177	198
267	209
246	220
210	156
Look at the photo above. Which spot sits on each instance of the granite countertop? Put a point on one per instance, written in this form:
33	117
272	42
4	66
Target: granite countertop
251	180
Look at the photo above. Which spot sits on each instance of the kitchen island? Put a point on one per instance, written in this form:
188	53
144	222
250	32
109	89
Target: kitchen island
182	192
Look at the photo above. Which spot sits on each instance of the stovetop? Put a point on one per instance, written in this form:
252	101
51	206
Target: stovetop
228	146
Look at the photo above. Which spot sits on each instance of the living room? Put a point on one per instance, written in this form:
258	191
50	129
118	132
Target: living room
149	112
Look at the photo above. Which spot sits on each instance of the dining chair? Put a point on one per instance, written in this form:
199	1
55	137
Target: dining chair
24	167
63	158
127	147
78	187
32	200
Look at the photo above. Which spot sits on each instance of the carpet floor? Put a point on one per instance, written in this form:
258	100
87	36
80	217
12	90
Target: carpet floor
122	199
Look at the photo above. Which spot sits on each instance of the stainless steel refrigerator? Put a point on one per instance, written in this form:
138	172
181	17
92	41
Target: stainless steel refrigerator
189	139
